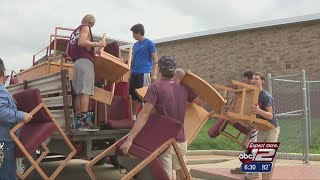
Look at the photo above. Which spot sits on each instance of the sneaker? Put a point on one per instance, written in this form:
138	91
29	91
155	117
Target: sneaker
83	125
252	176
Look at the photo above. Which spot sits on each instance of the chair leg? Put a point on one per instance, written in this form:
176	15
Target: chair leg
182	163
27	173
99	157
28	156
68	142
150	158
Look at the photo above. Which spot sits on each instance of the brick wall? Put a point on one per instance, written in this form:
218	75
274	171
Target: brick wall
221	57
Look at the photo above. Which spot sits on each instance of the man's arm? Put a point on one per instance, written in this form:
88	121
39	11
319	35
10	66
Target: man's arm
155	66
198	101
83	39
9	115
266	114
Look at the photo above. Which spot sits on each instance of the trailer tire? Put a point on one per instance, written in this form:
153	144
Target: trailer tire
114	161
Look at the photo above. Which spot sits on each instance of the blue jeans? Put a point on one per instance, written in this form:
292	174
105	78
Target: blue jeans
9	167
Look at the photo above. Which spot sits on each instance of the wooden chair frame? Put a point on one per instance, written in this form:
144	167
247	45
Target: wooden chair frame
35	164
248	118
115	60
230	136
144	163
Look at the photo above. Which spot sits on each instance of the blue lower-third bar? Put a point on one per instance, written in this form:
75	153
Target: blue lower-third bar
257	167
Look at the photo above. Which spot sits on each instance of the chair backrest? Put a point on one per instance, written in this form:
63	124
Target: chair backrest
214	131
204	90
27	100
121	88
194	119
61	44
157	130
119	108
113	48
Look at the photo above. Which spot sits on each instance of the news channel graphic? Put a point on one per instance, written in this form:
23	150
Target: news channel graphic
258	157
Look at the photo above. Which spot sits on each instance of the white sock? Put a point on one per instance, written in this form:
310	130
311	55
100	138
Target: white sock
134	117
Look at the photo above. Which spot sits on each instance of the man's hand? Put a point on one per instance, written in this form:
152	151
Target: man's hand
101	44
256	109
27	118
153	79
126	146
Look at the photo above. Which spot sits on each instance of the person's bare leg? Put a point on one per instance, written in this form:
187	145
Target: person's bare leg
77	104
134	107
269	175
84	102
179	174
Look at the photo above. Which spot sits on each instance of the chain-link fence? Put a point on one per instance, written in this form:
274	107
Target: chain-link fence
313	93
296	106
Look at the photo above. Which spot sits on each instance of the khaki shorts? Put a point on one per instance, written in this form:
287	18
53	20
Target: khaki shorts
83	77
170	160
268	136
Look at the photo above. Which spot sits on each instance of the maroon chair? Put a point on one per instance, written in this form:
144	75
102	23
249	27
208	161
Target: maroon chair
156	136
220	128
113	49
34	133
120	113
121	88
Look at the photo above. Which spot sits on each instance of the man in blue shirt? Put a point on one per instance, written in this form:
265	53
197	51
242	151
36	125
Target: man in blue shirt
9	117
144	65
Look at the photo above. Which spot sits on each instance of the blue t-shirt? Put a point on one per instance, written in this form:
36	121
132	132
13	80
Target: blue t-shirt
142	56
266	100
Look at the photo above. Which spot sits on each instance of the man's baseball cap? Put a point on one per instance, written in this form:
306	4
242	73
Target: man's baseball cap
167	62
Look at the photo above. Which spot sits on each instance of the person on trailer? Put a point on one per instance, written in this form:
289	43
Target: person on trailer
81	50
144	64
9	118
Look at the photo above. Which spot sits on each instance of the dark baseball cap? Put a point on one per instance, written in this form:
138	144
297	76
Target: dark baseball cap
167	62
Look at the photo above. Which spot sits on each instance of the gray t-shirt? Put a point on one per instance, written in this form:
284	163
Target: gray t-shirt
266	100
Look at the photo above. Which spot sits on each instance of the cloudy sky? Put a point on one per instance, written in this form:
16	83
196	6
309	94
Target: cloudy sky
25	25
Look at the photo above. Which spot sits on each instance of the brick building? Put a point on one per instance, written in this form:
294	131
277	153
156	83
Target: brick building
278	47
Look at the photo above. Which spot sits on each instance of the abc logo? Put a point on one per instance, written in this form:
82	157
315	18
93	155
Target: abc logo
245	157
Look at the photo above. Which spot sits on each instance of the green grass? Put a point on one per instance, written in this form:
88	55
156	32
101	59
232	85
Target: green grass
291	138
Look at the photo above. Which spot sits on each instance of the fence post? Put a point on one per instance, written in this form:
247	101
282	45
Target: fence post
309	112
269	81
305	117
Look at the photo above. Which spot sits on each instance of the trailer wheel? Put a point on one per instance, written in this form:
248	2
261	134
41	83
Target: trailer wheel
23	165
114	161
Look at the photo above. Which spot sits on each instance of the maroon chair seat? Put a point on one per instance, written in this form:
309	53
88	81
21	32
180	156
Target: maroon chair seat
151	137
119	113
40	127
61	44
121	124
33	133
113	49
242	128
121	88
214	131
